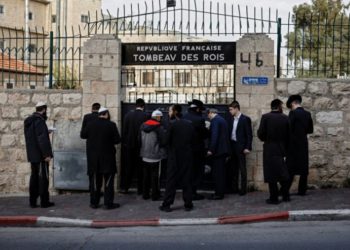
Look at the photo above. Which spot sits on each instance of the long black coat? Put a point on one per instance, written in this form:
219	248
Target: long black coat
200	131
179	141
37	138
101	136
131	128
86	120
298	152
274	132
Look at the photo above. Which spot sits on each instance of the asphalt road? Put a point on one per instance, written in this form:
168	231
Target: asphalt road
276	235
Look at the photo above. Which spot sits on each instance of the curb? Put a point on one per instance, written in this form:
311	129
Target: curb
301	215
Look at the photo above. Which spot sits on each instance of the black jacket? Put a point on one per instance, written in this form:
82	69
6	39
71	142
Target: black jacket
274	132
101	136
86	120
244	133
200	131
179	140
131	128
37	138
219	143
298	152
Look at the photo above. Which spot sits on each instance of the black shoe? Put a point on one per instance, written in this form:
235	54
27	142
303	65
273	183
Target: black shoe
272	202
242	193
33	205
123	191
157	198
301	193
47	204
93	206
166	209
216	197
188	208
146	197
286	199
197	197
111	206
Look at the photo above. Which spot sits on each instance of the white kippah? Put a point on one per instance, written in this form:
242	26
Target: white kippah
157	113
40	104
102	109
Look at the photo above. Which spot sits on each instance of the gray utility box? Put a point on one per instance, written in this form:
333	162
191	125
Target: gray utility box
70	171
70	165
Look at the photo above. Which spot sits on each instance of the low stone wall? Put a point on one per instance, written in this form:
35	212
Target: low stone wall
15	106
328	101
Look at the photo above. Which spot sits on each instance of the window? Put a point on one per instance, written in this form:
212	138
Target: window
84	18
30	15
53	19
148	78
31	48
182	78
1	9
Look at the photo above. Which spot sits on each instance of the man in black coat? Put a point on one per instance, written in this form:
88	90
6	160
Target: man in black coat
179	140
131	146
298	154
274	132
241	137
102	136
86	120
218	151
39	154
194	115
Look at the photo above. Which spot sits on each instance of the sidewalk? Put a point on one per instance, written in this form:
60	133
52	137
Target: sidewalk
134	208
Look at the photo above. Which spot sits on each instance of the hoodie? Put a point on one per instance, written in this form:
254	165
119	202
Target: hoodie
152	137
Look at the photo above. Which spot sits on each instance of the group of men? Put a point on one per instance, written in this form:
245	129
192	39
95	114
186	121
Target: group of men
188	142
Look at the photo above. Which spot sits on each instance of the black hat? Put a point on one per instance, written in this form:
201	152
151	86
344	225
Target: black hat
196	104
293	98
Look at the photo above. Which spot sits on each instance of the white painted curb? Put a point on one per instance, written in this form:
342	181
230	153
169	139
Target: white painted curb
319	215
62	222
184	222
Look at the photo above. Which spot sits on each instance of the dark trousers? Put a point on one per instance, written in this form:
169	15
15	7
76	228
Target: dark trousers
151	179
132	167
96	181
218	171
274	191
238	169
39	183
302	186
198	170
178	177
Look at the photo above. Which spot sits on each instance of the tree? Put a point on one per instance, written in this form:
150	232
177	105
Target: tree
320	42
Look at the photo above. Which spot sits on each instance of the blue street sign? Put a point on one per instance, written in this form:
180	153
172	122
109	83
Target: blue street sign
251	80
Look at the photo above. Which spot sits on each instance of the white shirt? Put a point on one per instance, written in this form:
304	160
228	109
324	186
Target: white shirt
234	130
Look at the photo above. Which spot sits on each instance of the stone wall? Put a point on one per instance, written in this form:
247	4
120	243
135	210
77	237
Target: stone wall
15	106
328	101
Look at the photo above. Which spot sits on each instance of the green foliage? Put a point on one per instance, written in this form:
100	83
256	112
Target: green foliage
65	78
320	42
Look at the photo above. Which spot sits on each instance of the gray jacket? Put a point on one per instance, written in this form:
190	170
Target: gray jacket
152	137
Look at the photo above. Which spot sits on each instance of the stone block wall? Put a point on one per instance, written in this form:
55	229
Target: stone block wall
329	145
15	106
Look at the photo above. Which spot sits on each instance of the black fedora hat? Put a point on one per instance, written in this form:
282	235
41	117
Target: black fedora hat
293	98
196	104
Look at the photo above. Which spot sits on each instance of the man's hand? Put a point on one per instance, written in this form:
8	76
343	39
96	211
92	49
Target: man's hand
246	151
47	159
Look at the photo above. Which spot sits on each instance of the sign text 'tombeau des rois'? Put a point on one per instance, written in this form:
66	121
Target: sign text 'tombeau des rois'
178	53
